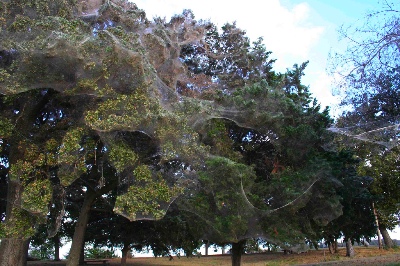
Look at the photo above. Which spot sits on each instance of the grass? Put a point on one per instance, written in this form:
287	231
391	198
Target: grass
364	256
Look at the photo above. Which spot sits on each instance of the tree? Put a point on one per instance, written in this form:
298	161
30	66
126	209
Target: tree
44	247
254	179
373	47
30	141
357	221
227	59
370	71
384	170
92	84
30	68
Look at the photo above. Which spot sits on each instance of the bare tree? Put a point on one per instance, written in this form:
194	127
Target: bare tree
374	47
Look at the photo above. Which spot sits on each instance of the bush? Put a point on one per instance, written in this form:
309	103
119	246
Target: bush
99	253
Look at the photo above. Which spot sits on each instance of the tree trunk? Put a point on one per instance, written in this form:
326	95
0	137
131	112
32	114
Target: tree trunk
125	251
14	248
82	256
330	247
206	247
335	245
315	245
56	240
386	237
78	239
14	252
237	250
377	226
349	249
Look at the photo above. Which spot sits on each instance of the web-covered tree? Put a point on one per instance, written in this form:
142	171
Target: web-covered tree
110	78
29	64
34	121
253	175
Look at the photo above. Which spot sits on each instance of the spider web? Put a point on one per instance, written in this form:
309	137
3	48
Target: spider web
121	75
384	132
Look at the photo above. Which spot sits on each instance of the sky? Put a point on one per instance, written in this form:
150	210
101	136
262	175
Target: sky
294	30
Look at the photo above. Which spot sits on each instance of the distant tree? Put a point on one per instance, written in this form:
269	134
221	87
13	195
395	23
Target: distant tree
384	170
373	48
225	60
369	71
46	247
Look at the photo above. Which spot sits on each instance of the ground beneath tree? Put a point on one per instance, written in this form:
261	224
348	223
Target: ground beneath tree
364	256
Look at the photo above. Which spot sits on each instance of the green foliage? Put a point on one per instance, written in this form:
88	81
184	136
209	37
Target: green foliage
223	201
21	225
383	169
122	157
45	251
98	253
219	140
357	220
69	154
6	128
128	112
120	118
36	196
144	198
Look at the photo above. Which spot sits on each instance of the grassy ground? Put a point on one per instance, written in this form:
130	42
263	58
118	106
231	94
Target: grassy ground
364	256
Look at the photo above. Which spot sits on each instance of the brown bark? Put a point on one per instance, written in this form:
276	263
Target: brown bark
349	249
237	250
78	240
377	226
125	251
335	245
14	249
330	247
386	237
82	255
80	229
206	247
56	240
14	252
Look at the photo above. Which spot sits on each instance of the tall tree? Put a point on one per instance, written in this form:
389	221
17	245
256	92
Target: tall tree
384	170
370	71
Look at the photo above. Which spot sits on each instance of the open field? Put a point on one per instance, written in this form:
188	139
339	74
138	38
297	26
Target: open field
364	256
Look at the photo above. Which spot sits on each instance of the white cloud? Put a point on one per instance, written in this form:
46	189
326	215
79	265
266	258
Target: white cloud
321	83
288	33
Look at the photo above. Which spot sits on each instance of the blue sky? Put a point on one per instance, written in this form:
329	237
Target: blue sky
294	30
